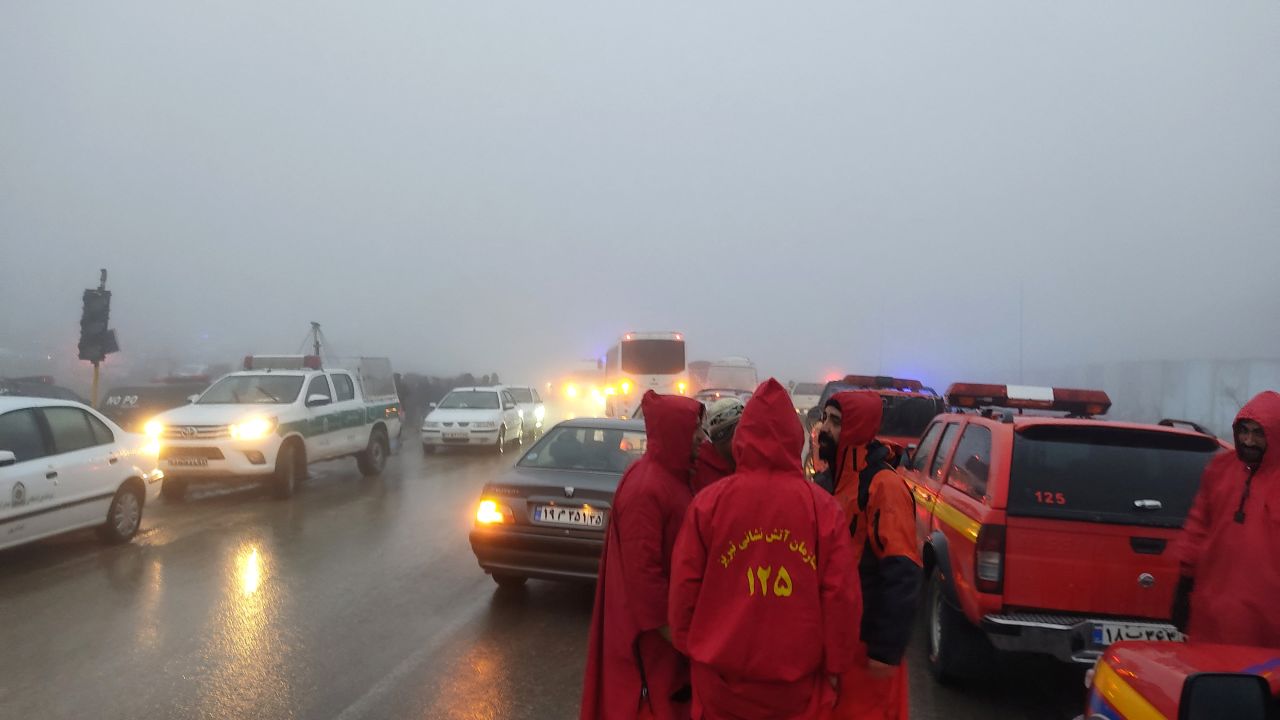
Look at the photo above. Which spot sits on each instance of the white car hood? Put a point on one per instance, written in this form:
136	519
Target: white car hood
216	414
464	415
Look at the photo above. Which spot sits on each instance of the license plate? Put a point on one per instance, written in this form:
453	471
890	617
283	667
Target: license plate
575	516
1106	633
189	461
455	436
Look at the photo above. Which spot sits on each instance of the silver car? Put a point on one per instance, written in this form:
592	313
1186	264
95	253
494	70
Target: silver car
546	517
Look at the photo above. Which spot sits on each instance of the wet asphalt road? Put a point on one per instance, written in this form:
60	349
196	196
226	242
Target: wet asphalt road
355	599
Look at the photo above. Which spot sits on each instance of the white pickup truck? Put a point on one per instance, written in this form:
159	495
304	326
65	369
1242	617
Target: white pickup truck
277	416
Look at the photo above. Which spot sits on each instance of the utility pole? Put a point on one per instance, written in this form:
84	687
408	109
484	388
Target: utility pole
1021	331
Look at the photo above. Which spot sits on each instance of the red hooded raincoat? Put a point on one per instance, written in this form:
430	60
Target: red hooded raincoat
631	670
1231	543
764	595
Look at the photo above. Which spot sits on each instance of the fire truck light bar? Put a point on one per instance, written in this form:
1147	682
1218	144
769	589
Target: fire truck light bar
1024	397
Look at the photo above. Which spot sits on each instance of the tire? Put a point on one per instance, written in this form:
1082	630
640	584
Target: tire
509	582
288	472
501	446
173	490
956	649
520	437
124	516
374	457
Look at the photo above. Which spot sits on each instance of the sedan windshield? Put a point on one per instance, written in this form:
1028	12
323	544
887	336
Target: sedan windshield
470	400
579	448
253	390
522	395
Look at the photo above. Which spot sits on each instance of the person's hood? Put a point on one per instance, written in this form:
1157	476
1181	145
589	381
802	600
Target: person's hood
862	411
1264	409
669	422
769	438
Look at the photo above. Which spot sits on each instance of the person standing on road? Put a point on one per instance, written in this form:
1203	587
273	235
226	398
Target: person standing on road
715	456
1230	567
632	669
881	513
764	591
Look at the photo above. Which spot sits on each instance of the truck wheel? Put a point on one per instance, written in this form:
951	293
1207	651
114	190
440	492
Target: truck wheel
957	650
501	447
509	582
173	490
374	458
289	470
124	517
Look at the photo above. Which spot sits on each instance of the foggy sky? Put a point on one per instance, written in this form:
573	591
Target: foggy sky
511	185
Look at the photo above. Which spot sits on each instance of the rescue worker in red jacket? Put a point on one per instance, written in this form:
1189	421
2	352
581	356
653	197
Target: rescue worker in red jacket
715	456
1229	550
632	669
764	595
881	514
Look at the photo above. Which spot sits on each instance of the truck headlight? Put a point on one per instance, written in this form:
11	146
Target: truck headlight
254	428
153	429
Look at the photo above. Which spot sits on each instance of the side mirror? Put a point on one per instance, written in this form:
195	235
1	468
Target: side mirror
433	405
317	400
1208	696
7	458
192	398
912	449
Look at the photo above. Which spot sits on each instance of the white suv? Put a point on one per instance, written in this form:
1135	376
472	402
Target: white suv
473	416
64	467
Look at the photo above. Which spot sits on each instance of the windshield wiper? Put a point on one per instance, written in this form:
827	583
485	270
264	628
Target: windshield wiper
266	392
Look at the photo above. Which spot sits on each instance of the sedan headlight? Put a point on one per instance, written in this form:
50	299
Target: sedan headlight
486	425
254	428
540	412
153	428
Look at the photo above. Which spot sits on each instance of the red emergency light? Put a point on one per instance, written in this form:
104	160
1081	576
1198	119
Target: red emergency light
1024	397
882	382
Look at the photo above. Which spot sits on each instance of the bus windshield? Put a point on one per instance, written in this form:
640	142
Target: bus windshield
653	357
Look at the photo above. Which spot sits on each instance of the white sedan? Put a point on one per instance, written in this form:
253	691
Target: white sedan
473	416
64	466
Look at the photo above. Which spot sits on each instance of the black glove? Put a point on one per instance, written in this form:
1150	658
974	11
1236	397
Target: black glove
1182	602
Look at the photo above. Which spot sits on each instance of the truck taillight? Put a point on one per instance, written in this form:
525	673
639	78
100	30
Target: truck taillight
988	559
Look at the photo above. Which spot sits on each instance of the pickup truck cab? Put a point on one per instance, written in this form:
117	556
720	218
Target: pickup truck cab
1196	681
1047	533
276	417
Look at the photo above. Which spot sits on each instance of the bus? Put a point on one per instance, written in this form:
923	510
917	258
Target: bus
639	362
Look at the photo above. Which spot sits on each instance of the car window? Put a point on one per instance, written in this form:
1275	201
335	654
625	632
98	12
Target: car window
343	386
70	429
20	435
927	445
102	434
596	449
470	400
319	385
948	440
507	399
972	462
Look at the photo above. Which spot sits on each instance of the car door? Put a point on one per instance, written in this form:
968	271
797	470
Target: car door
320	436
352	432
84	466
917	472
26	484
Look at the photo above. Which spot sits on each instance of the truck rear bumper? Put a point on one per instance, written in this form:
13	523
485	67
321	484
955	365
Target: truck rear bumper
1069	638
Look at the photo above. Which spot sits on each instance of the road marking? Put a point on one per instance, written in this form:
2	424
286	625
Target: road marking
379	691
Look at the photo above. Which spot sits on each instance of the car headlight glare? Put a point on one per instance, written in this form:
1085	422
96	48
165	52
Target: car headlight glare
153	428
254	428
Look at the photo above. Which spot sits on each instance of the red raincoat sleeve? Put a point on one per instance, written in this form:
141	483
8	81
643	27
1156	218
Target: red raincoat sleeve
688	565
840	591
1195	529
644	574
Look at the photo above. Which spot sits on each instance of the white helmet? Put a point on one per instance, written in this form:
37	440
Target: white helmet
722	417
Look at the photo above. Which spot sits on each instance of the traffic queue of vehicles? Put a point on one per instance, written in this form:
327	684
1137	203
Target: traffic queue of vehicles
1045	529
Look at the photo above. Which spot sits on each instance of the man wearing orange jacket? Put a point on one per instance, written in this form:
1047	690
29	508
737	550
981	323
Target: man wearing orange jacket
881	513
